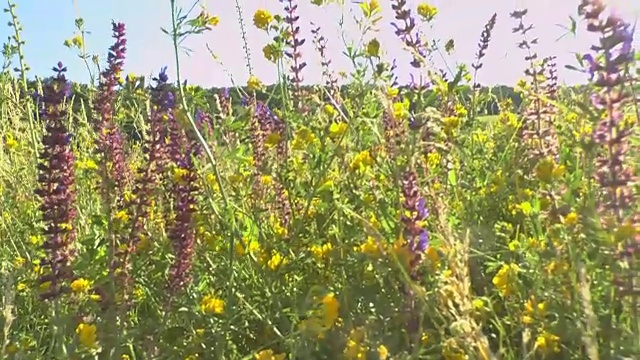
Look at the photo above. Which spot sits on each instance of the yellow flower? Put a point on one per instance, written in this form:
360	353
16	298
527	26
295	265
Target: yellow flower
330	110
276	261
19	261
383	353
122	216
571	219
354	348
253	83
330	310
362	161
87	164
370	8
87	334
212	305
533	309
505	278
556	267
401	109
10	142
547	343
337	129
268	354
321	251
369	247
262	18
427	12
80	285
450	124
373	48
478	304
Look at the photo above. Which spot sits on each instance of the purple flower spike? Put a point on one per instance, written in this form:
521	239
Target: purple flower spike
56	190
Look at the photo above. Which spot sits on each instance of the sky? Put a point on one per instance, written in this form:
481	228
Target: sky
47	23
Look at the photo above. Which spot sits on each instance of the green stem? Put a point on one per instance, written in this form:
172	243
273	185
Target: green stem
208	152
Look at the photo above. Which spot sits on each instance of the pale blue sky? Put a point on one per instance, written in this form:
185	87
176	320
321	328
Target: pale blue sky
48	23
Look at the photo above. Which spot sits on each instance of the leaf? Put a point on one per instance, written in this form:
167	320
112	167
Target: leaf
452	178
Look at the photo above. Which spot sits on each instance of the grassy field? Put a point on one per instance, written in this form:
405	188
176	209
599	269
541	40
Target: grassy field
375	221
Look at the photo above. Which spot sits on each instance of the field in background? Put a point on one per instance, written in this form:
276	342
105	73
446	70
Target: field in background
146	219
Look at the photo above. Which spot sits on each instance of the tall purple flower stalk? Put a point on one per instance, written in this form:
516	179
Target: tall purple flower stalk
109	142
537	130
181	232
224	100
294	42
417	241
261	126
415	213
608	70
151	174
483	45
331	82
56	190
405	31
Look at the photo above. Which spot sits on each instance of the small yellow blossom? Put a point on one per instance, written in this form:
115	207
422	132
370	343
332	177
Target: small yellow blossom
362	161
427	12
547	343
337	129
330	110
330	310
253	83
276	261
212	305
571	219
383	353
262	18
80	285
321	251
533	309
369	247
505	278
268	354
87	334
370	8
355	348
122	216
401	109
19	261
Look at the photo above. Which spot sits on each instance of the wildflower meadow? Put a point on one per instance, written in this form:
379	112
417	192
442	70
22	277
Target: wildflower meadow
360	218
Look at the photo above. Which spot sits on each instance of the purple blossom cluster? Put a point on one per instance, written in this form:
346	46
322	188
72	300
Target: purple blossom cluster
56	191
157	157
321	47
405	31
415	213
294	42
109	142
608	68
181	232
